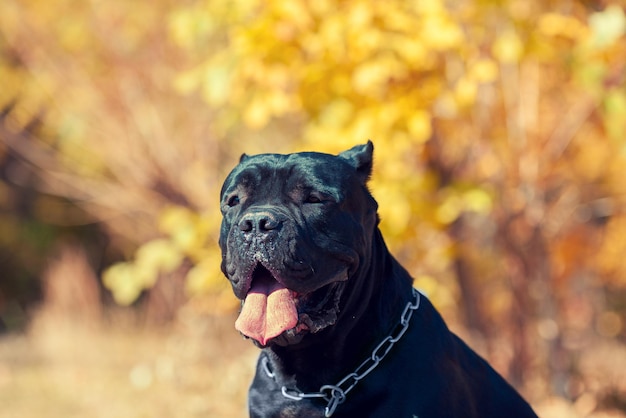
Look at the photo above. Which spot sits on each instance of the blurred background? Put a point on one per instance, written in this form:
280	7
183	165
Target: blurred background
500	137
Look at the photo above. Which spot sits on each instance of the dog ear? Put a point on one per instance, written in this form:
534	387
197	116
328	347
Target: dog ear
361	158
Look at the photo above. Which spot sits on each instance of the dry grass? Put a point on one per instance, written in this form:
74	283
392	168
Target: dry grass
60	369
198	367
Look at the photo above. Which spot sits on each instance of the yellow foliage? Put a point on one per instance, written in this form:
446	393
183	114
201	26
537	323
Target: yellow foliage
483	71
127	280
217	79
450	209
440	33
611	253
436	291
554	24
419	125
336	114
187	27
121	280
459	99
614	121
607	26
455	202
159	255
477	200
370	78
508	47
396	216
257	113
205	276
465	92
412	50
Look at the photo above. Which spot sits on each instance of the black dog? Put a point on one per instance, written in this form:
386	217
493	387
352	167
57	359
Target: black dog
343	332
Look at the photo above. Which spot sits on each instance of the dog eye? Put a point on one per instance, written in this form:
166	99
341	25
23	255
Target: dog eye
313	198
233	201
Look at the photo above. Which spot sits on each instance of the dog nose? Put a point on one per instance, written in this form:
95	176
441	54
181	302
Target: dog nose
262	221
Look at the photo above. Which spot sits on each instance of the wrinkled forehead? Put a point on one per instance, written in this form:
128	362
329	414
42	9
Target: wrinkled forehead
305	170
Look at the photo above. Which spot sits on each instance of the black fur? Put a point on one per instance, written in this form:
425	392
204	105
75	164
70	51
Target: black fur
310	221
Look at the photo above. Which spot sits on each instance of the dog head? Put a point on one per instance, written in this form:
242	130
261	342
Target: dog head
295	229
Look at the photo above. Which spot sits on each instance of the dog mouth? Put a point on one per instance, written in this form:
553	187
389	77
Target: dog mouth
272	313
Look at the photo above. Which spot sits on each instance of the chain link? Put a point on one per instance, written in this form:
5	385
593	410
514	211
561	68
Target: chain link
336	394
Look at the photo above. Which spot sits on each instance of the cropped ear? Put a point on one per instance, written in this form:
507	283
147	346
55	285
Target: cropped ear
243	158
361	158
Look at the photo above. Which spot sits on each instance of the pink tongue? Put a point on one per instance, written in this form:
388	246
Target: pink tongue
269	309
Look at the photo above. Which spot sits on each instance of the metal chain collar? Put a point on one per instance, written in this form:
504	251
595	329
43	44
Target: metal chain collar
336	394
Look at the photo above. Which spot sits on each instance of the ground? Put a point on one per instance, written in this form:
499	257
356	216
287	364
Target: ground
198	367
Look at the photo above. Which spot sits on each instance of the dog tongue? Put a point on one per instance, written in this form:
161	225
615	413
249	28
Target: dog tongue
269	309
